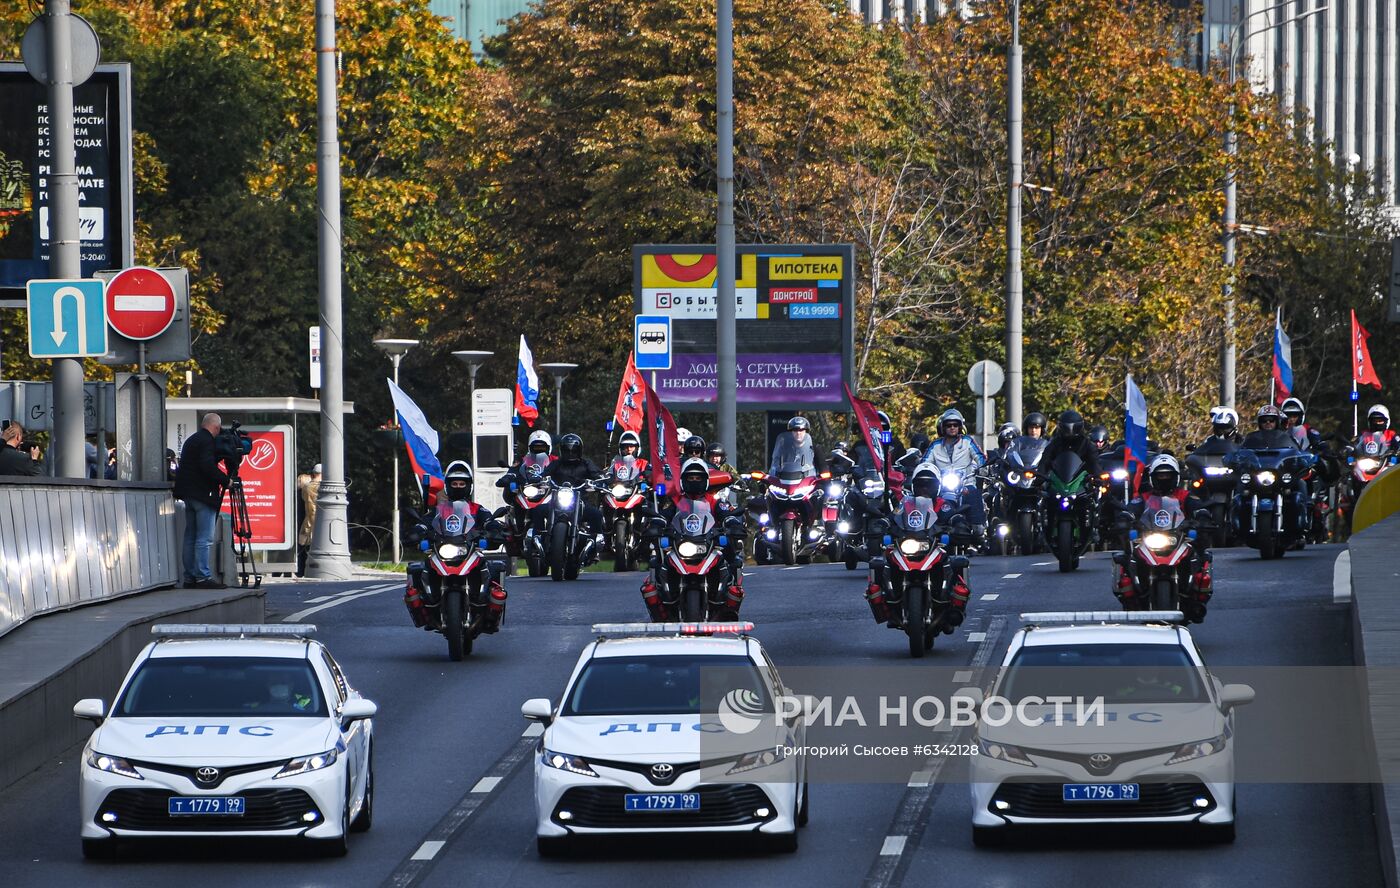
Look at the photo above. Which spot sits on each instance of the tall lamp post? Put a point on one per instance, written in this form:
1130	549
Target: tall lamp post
558	371
396	349
1230	224
1014	331
473	360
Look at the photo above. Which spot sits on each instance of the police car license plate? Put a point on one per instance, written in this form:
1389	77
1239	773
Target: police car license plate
661	801
1101	792
186	806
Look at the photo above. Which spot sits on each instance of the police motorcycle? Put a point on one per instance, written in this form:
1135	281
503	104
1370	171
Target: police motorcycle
1071	508
1156	566
1271	509
693	579
915	583
532	498
1210	479
568	547
456	590
1020	524
624	494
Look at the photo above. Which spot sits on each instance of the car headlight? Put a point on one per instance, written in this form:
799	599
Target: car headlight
1004	752
1119	474
531	491
1013	477
309	763
449	551
571	763
112	765
1368	465
1265	478
951	481
620	490
1159	541
911	546
566	497
835	489
687	549
1200	749
760	759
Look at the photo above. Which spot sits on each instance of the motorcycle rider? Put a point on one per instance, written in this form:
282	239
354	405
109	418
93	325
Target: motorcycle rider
630	444
573	468
1098	437
1165	483
925	483
1378	420
1305	437
794	450
1271	435
531	467
1224	427
698	481
718	458
693	447
1033	426
956	453
1007	432
459	485
1070	437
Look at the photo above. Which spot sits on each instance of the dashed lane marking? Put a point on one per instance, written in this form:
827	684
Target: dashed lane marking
991	596
962	676
427	851
976	637
1009	576
920	778
534	730
486	784
1341	578
894	846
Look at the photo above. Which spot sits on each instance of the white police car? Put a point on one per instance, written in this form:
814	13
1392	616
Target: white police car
1157	750
669	728
228	730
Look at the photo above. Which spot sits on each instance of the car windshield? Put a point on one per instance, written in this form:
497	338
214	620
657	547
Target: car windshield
662	685
223	686
1119	673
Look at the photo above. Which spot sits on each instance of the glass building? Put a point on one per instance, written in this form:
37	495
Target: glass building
475	20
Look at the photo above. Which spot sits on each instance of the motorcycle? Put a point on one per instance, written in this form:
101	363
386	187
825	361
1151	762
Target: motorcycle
569	547
1159	557
1070	509
622	506
456	591
533	498
952	493
1020	526
693	581
861	523
788	521
1271	506
1367	457
911	584
1213	481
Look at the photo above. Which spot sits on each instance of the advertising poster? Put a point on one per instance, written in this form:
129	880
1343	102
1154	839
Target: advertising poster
268	487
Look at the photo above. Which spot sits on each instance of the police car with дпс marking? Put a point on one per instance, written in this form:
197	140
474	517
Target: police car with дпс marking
245	730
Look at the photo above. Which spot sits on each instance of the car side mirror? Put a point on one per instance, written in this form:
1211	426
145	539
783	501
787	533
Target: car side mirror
93	709
538	709
356	710
1233	695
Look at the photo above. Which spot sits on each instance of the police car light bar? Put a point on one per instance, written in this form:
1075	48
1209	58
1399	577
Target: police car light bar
623	630
1068	617
238	630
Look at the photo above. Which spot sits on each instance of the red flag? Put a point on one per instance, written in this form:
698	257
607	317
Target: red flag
630	398
665	449
869	421
1362	370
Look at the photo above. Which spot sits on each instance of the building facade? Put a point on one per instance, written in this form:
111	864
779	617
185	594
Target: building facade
475	20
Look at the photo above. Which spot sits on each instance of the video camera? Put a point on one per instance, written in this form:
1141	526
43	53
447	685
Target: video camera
231	445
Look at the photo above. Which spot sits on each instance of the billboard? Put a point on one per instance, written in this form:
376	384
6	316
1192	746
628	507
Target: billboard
102	139
268	487
794	307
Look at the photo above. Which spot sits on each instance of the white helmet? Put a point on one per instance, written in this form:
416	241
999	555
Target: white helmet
458	470
1378	410
540	436
1225	416
681	435
1164	472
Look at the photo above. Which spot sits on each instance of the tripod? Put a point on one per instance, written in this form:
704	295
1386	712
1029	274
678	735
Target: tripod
241	541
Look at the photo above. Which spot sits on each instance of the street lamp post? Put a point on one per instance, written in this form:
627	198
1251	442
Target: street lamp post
473	360
396	349
1014	331
558	371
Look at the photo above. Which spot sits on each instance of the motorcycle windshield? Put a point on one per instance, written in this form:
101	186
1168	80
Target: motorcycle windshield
1025	453
1161	513
453	520
791	477
1067	473
1370	444
1214	446
532	466
789	457
916	514
694	518
1297	462
624	468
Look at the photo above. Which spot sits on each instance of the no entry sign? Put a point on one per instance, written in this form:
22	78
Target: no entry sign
140	303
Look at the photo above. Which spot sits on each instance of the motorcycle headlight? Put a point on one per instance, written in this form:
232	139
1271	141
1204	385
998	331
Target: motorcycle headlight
620	490
566	497
835	489
1004	752
760	759
1013	477
1368	465
112	765
1200	749
564	762
872	487
531	491
763	518
777	489
687	549
1216	470
1119	474
951	481
843	527
911	546
308	763
1265	478
1159	541
449	551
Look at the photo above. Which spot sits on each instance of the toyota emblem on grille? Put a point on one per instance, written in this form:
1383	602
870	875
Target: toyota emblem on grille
207	775
1101	761
662	771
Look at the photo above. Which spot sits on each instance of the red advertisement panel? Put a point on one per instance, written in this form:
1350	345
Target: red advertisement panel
267	487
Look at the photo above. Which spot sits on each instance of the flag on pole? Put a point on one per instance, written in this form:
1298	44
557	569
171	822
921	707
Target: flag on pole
419	437
527	385
1283	361
630	397
665	448
1135	432
869	421
1363	372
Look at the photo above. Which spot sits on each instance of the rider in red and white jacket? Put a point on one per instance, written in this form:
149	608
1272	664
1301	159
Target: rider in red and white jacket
1165	490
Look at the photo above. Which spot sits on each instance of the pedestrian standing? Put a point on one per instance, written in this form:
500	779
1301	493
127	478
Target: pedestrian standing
200	483
309	486
13	460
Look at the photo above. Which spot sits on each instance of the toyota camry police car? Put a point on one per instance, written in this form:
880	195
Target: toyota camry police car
665	728
228	730
1140	731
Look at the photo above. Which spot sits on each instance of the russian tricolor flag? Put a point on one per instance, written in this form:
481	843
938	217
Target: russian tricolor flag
1134	431
419	437
527	385
1283	361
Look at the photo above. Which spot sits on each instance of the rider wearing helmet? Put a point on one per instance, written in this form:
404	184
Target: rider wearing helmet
1166	492
575	469
693	447
459	486
1378	420
718	458
1098	437
1071	436
956	456
1271	434
1224	424
794	451
628	445
1305	437
1033	425
926	484
860	452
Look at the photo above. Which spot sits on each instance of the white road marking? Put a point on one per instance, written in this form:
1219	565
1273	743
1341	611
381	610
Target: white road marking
427	851
340	599
486	784
319	598
976	637
1044	563
920	778
1010	576
962	676
1341	578
894	846
991	596
794	567
534	730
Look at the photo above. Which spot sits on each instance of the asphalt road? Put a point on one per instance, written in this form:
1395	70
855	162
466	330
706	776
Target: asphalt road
451	761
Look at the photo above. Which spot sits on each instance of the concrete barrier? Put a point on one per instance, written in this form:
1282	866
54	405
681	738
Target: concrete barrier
65	543
1375	596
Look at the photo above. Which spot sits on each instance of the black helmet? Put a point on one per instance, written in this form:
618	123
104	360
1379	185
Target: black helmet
693	446
1098	436
1006	433
1070	426
571	448
1165	473
458	481
1033	420
716	450
884	420
629	439
919	442
924	481
799	422
841	447
695	477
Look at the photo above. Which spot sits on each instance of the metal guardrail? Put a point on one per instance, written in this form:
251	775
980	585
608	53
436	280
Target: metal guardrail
69	542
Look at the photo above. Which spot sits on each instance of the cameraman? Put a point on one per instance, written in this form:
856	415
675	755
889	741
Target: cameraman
200	483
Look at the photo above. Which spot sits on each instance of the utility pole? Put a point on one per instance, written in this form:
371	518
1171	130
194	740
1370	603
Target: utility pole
1014	331
726	420
329	558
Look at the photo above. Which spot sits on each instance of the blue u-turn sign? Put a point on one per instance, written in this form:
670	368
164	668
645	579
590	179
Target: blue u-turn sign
67	319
